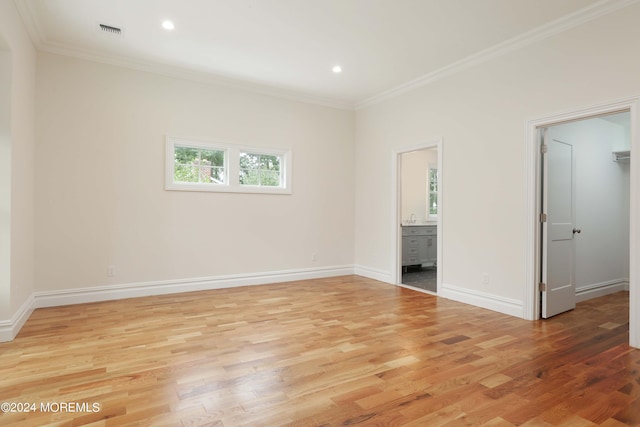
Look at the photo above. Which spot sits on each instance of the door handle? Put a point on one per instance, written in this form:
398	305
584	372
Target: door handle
577	230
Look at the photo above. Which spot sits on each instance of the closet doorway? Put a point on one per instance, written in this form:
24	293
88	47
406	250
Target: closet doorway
585	196
533	270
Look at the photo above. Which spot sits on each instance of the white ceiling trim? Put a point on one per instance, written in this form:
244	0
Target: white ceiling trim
565	23
580	17
30	21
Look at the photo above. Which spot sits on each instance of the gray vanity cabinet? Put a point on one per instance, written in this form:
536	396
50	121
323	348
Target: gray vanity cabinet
419	245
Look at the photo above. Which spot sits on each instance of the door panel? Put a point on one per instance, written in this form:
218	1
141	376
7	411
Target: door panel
557	231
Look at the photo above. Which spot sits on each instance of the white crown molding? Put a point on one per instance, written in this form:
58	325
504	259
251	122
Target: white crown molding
31	22
565	23
594	11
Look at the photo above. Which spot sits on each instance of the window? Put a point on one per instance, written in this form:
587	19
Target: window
204	166
432	192
260	169
199	165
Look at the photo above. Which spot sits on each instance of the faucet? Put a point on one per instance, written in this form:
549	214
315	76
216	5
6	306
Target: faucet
412	219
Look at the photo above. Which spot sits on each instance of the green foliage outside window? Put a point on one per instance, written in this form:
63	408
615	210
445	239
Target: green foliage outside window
199	165
432	208
259	170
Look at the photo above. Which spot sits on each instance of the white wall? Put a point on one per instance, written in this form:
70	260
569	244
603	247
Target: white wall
100	169
21	134
5	181
481	113
415	166
601	202
622	120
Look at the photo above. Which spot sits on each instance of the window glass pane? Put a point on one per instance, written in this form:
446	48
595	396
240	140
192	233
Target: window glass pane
260	169
270	162
210	175
199	165
432	207
185	173
218	175
270	178
249	177
185	155
249	161
214	157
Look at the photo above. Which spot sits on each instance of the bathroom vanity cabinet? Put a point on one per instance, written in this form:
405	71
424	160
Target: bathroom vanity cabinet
419	245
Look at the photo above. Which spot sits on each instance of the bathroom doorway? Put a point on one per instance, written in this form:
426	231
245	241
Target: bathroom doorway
418	217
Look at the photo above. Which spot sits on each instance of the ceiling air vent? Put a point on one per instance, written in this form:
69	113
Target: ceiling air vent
110	29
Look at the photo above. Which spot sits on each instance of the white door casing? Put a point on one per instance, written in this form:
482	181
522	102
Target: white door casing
531	296
559	294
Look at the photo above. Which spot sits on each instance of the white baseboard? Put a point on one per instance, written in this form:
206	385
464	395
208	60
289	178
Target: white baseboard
10	328
482	299
373	273
133	290
601	289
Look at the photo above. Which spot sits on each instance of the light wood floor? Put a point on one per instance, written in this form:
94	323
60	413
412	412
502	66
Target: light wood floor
333	352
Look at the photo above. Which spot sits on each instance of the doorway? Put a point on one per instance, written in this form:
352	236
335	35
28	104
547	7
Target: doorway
534	164
584	186
417	217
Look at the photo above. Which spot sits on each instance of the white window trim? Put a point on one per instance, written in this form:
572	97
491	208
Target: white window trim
232	168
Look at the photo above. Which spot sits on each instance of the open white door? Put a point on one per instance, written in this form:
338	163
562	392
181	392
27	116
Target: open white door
558	290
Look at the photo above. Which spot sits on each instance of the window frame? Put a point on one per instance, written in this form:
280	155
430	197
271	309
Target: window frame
231	167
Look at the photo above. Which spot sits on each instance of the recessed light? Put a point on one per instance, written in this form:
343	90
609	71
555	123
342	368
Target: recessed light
168	25
336	69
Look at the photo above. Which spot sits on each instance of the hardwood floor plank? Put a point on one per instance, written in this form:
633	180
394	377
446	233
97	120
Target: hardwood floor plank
329	352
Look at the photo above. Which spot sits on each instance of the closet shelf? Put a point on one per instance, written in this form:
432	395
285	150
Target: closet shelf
621	155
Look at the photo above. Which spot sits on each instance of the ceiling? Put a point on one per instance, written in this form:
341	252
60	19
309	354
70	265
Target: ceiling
288	47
